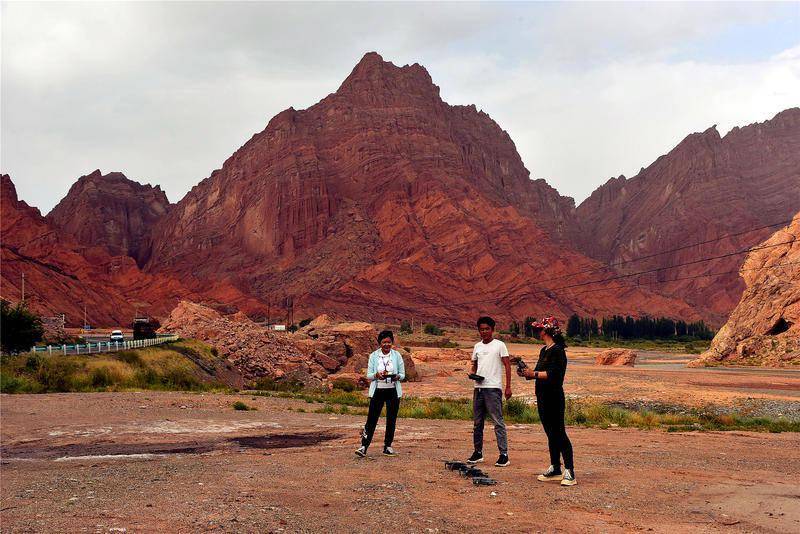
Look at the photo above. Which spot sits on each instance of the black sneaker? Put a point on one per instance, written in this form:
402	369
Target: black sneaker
361	451
387	451
552	473
502	461
475	458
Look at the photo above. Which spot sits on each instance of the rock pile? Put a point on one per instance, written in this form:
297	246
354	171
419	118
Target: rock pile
254	351
616	357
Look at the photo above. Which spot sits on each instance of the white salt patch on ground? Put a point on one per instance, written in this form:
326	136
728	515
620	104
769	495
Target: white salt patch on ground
144	456
199	426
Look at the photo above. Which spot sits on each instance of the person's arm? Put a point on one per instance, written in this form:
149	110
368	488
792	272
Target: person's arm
504	357
401	368
507	364
530	373
474	361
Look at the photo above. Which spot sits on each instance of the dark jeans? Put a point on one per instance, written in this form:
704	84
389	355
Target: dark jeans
488	401
392	401
551	412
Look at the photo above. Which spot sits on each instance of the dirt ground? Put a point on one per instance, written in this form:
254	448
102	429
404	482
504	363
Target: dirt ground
147	462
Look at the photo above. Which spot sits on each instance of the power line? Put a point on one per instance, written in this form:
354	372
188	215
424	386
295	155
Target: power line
693	262
548	290
691	277
684	247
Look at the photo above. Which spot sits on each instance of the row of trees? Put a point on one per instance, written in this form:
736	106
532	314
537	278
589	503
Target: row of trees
619	327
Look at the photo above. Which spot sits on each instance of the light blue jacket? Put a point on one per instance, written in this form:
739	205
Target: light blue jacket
372	369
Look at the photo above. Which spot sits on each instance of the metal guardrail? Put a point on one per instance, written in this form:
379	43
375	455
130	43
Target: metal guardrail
101	346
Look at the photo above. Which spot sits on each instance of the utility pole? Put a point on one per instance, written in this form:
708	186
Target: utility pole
23	288
84	317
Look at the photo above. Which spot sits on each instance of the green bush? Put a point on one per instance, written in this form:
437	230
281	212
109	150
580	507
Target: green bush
240	406
405	327
344	384
433	330
270	384
21	329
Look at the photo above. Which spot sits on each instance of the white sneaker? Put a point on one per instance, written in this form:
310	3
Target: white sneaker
552	473
388	451
569	478
361	451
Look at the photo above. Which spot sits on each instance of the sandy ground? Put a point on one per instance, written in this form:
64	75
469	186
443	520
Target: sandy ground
147	462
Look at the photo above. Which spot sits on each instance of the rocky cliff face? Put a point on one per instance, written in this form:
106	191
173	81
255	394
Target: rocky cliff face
111	211
706	187
382	202
61	276
764	328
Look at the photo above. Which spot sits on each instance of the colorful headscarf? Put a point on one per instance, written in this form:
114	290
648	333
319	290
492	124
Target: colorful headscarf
550	325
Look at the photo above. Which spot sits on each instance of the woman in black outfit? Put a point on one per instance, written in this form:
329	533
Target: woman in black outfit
549	375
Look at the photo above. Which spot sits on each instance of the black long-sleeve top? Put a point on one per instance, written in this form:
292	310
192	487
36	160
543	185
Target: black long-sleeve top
554	361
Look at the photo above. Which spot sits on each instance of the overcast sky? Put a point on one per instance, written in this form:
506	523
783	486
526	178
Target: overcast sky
165	92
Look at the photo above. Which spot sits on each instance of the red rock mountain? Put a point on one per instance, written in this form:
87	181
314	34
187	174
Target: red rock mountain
383	202
62	275
112	211
706	187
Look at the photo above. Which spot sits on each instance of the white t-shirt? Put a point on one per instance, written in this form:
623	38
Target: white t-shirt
385	363
490	366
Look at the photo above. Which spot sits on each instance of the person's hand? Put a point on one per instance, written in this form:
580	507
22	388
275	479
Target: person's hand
528	373
520	372
508	393
380	375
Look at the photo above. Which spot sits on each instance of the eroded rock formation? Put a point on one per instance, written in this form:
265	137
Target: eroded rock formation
616	357
111	211
764	328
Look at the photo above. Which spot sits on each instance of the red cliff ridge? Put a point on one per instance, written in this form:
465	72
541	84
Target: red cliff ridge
706	187
111	211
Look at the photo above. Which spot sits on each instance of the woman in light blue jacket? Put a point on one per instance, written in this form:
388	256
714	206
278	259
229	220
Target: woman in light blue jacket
386	370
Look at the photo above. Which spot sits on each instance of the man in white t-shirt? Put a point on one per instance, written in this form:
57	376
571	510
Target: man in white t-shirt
489	358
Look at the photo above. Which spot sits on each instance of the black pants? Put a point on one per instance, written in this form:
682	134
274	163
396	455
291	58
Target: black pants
381	396
551	413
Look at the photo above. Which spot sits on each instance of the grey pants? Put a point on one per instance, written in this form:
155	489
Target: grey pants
488	401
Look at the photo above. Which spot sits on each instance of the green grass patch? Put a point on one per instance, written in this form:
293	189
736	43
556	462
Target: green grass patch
241	406
579	412
170	366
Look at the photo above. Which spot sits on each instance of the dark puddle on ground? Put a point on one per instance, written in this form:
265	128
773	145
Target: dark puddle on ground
103	449
284	441
35	451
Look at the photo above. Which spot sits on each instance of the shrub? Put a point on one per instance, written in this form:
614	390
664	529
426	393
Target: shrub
21	329
344	384
58	376
405	327
130	357
305	322
240	406
270	384
101	377
433	330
